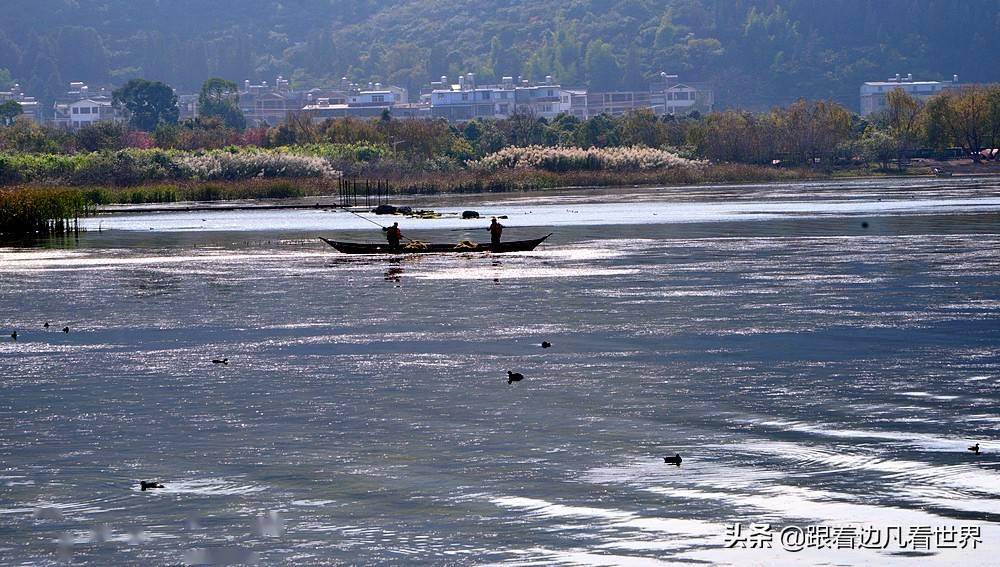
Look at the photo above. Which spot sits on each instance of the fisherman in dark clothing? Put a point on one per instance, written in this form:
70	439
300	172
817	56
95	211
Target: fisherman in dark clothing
393	234
496	230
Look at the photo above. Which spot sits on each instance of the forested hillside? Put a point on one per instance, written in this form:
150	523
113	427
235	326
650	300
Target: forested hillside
755	53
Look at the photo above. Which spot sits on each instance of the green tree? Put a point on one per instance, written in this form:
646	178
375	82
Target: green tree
9	111
597	131
963	116
602	67
878	146
902	118
148	103
640	128
220	99
101	136
812	130
934	122
30	137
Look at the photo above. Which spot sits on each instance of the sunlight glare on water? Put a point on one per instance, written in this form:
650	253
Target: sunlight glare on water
809	369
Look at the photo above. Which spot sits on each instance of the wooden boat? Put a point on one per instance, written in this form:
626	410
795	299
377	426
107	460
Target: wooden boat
383	248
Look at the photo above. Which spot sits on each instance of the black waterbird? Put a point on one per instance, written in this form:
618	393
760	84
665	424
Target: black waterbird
675	460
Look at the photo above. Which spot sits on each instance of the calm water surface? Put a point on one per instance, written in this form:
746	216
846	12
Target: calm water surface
809	368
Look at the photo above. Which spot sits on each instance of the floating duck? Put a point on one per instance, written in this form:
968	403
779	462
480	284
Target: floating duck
546	344
149	484
975	448
65	329
675	460
14	335
46	325
514	377
222	361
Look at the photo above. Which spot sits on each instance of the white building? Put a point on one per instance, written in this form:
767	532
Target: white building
87	111
76	107
84	112
873	93
669	96
666	95
381	97
468	101
371	103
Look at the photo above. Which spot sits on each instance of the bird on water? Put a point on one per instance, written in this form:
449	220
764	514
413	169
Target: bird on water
65	329
514	377
675	460
975	448
14	335
222	361
546	344
148	484
46	325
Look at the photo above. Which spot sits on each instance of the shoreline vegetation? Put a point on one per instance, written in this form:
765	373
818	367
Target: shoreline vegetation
50	177
41	209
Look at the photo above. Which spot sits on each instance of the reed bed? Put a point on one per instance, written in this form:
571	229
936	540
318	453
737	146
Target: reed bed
40	210
135	167
578	159
524	179
210	191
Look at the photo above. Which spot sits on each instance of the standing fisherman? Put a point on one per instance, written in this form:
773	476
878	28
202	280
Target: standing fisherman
496	230
393	234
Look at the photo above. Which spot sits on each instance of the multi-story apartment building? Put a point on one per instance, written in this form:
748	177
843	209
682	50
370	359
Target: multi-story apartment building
873	92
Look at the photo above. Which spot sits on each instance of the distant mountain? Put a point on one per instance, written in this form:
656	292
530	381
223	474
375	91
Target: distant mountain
755	53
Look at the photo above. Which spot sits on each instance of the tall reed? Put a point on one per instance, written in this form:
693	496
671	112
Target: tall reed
40	210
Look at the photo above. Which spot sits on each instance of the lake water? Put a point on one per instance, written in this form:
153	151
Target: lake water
819	354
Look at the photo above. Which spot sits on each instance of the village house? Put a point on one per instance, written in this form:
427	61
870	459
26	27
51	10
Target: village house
81	106
29	106
467	101
370	103
270	105
188	106
88	111
665	96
